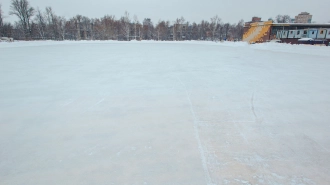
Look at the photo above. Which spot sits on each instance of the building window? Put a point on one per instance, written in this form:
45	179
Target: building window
291	32
321	31
298	32
305	32
313	32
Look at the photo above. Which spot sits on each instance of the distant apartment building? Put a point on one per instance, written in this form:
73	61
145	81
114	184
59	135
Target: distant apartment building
303	17
181	32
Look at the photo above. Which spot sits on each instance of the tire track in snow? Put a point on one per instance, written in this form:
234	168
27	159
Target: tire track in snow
200	147
252	107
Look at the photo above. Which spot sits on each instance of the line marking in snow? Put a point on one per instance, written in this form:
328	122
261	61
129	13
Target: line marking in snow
252	106
95	105
71	101
200	147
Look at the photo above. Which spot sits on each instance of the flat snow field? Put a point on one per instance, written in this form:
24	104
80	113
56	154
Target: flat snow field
94	113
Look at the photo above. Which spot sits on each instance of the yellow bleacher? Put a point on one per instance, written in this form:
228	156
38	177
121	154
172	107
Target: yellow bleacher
256	32
249	32
261	34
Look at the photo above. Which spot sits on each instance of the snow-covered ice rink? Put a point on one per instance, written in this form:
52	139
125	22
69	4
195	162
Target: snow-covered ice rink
124	113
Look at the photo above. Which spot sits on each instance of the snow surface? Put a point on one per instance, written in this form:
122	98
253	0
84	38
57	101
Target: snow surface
107	112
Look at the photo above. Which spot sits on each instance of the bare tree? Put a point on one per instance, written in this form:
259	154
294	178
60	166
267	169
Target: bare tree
41	23
92	24
287	18
61	28
182	27
158	29
6	29
52	23
214	26
147	29
71	29
1	17
203	29
23	10
125	25
78	22
139	29
105	28
47	25
195	31
161	30
226	30
86	26
178	28
240	29
283	19
1	21
135	21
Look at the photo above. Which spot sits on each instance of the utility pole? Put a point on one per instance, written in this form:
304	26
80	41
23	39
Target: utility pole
173	32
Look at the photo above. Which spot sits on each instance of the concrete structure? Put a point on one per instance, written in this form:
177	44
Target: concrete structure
256	32
303	17
182	32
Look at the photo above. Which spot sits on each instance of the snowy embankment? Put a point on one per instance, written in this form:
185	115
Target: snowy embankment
277	47
292	48
109	112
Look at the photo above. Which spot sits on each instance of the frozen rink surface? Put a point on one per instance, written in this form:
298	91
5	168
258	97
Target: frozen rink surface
150	113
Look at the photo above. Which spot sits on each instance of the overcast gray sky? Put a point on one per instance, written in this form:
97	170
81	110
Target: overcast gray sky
192	10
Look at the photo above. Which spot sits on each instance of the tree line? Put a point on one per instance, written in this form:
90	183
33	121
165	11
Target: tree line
37	24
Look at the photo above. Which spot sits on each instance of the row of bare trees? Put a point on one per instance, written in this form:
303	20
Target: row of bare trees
37	24
282	19
5	28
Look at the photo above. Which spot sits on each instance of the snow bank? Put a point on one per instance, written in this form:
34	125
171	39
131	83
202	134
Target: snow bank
293	48
277	47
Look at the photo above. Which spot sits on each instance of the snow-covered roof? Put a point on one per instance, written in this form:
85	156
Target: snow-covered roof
301	24
306	39
275	40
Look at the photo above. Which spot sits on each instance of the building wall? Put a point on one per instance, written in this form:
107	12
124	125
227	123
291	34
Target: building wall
318	34
314	33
